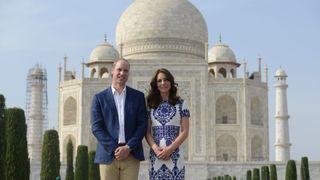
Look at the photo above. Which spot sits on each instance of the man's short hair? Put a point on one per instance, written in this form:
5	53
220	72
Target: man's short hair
121	59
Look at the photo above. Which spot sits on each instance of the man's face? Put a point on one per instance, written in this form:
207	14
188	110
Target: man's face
120	72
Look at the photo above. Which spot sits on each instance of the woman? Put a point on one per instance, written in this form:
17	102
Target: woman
168	127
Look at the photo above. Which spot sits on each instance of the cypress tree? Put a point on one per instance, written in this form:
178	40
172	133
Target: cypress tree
69	171
273	172
226	177
2	138
249	175
291	170
82	163
234	178
304	169
265	173
94	173
50	157
17	164
256	174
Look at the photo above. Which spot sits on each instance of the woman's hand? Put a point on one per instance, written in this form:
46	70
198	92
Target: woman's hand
165	153
156	149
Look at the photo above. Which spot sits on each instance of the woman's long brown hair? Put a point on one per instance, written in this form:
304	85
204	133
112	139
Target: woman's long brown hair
154	97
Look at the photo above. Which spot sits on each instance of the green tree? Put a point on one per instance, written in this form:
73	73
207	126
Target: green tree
82	163
227	177
273	172
291	170
249	175
94	173
2	138
50	157
256	174
304	169
69	171
17	164
265	173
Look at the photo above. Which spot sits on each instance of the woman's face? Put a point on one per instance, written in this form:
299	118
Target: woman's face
163	84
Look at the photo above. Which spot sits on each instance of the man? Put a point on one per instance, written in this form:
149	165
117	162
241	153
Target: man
119	122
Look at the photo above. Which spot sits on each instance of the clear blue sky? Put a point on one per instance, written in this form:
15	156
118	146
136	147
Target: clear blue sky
284	33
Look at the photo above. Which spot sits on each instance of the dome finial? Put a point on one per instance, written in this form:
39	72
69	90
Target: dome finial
220	38
105	37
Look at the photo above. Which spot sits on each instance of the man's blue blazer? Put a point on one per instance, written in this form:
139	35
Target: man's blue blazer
105	124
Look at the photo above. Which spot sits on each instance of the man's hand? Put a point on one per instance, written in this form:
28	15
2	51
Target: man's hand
121	153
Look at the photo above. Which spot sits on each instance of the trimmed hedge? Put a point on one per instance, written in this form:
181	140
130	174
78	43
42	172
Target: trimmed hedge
273	172
291	170
82	163
2	137
50	156
69	170
17	164
304	169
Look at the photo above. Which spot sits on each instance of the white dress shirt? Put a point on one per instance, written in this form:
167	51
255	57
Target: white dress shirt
119	99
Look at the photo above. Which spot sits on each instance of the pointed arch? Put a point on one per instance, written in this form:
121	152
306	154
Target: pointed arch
104	73
226	148
93	73
222	73
232	73
226	110
256	111
64	148
70	111
256	149
211	73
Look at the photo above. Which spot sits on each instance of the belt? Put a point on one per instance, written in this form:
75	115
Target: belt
121	144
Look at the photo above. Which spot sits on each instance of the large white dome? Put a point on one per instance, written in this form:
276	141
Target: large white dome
162	26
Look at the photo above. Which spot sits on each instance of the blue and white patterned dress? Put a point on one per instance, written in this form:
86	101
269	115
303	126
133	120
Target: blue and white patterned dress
165	124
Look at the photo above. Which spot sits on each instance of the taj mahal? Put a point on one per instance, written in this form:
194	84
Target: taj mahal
229	131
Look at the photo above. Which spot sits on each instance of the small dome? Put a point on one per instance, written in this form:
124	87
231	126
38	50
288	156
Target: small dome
221	53
103	52
37	71
280	72
162	26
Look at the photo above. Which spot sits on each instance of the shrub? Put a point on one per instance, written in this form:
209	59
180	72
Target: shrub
249	175
17	164
273	172
50	156
69	171
93	168
304	169
265	173
291	170
256	174
82	163
2	137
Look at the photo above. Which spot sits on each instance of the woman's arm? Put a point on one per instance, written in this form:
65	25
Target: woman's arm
150	140
167	151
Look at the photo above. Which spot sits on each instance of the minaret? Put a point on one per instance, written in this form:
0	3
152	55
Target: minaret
36	111
282	144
